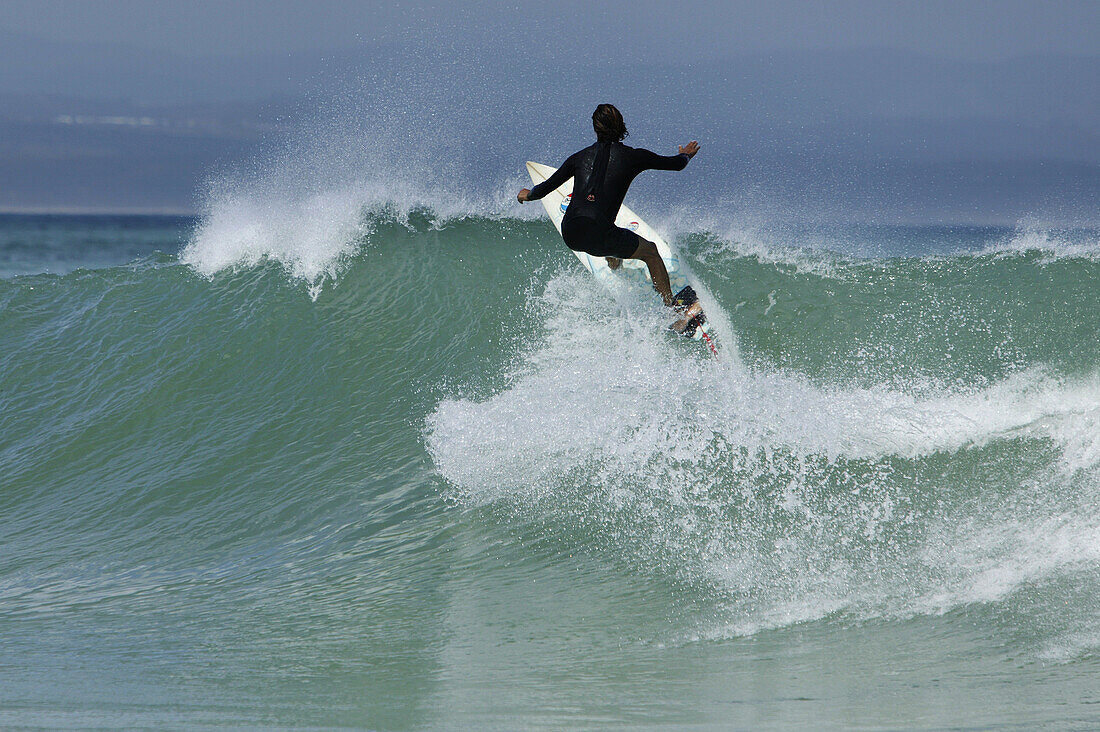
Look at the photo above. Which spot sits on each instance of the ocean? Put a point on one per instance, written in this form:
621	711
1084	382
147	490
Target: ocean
385	467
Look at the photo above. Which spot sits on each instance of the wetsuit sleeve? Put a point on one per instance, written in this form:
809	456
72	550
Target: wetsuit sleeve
648	160
562	174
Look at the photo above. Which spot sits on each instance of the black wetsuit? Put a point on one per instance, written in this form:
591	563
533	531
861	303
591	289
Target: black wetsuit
602	173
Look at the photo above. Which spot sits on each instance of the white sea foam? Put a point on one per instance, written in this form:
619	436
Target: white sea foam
309	235
1052	244
1072	645
986	558
315	204
792	499
747	236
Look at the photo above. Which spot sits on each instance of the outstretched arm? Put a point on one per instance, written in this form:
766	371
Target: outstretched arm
562	174
652	161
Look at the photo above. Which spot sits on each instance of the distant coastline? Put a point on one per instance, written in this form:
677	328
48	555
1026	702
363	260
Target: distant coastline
106	212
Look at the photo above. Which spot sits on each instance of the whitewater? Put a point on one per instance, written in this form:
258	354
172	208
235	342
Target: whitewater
381	456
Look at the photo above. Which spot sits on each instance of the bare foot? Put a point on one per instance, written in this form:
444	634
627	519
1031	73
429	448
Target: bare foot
614	262
680	325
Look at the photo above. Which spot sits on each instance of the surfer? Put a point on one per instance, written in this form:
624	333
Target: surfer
602	173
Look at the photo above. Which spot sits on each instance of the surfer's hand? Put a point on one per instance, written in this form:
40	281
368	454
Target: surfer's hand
522	195
690	149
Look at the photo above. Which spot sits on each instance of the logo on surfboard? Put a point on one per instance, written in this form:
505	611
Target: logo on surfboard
565	202
633	226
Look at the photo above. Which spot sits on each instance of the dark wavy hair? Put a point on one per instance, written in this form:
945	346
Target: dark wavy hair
608	124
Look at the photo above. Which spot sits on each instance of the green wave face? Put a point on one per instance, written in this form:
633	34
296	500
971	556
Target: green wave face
437	476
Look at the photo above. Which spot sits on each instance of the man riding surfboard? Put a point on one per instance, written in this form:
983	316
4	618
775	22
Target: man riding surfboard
602	173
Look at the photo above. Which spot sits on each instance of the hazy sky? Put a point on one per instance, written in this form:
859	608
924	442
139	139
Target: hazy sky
683	30
973	110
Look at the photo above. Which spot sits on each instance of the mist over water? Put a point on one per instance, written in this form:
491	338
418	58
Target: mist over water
779	496
369	449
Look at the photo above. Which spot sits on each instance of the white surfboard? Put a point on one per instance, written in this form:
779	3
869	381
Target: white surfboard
555	204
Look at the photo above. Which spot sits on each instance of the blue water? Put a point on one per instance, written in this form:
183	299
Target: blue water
338	462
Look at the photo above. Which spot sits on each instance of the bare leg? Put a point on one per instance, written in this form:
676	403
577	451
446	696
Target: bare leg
614	262
647	252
